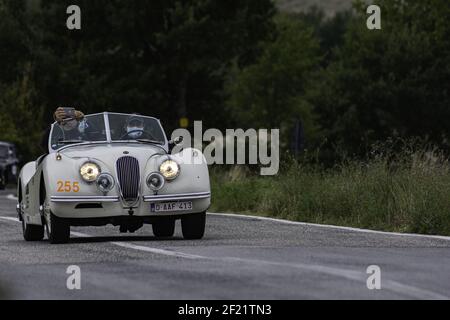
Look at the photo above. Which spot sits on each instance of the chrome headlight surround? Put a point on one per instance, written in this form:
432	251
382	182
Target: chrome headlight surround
90	171
169	169
155	181
105	182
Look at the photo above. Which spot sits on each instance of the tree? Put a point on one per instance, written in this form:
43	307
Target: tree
20	117
164	58
266	94
389	82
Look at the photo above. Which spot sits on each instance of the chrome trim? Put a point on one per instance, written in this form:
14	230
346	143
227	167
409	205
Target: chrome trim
107	127
84	199
150	186
176	197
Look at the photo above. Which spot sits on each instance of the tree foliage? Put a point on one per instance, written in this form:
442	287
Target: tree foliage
230	64
389	82
165	58
266	94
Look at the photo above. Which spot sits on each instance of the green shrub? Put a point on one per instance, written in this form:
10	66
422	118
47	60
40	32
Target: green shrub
407	191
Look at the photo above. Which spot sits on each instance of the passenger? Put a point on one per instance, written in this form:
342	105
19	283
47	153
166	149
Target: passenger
70	123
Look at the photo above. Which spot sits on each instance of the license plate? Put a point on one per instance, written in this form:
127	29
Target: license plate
171	206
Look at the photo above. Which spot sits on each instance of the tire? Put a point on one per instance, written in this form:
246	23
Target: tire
59	231
193	226
32	232
163	228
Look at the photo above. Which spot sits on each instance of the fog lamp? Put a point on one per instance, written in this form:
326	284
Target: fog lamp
105	182
155	181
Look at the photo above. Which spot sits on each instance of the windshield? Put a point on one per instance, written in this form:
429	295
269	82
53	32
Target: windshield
90	129
122	127
135	127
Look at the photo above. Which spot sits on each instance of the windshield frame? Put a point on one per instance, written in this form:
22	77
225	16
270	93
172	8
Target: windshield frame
164	145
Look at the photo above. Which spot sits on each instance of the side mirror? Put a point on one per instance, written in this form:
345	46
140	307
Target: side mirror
175	142
178	140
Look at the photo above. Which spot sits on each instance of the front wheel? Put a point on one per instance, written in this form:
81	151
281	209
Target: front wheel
164	227
32	232
58	230
193	226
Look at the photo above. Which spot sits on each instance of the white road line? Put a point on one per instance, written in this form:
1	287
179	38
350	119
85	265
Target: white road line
145	249
10	219
130	245
305	224
390	285
11	197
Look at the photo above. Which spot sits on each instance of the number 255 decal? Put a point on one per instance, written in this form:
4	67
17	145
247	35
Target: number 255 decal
68	186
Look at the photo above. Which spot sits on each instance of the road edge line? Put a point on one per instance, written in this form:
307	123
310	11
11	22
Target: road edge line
307	224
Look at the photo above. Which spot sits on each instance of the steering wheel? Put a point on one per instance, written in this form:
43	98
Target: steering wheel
128	133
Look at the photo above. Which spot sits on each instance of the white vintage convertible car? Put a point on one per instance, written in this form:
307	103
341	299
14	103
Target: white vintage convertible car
98	172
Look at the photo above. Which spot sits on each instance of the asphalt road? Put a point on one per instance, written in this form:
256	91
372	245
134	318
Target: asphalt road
239	258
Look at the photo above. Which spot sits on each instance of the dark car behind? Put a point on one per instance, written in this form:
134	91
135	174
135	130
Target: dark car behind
8	164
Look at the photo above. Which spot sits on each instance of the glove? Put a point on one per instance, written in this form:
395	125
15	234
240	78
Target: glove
60	115
79	115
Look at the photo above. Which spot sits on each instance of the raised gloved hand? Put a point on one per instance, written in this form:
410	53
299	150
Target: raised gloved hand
79	115
60	115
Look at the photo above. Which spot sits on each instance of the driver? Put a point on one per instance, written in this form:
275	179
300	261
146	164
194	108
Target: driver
134	127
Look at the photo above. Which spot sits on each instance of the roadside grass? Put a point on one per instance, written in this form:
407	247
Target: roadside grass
407	191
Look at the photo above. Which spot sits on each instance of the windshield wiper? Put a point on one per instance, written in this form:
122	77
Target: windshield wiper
150	141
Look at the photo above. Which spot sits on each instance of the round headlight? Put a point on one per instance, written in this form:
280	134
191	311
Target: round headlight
89	171
105	182
155	181
169	169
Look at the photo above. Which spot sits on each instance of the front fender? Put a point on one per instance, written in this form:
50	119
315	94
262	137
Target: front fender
27	172
194	175
66	172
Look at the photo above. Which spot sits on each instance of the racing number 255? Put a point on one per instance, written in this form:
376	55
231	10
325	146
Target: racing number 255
68	186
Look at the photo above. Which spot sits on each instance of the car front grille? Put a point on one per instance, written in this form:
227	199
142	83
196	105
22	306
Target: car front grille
128	174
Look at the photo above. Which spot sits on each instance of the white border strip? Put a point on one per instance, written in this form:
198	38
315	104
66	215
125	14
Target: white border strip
305	224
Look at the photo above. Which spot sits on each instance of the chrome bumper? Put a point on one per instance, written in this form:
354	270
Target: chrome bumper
153	198
177	197
79	199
